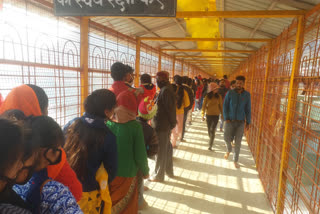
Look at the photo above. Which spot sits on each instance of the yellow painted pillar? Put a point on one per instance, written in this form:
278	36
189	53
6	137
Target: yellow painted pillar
137	64
268	67
289	117
84	58
173	66
182	68
160	61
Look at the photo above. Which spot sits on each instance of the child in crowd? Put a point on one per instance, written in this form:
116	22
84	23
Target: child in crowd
89	144
41	192
147	110
12	159
32	100
148	87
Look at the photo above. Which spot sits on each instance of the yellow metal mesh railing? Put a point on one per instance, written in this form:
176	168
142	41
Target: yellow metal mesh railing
300	161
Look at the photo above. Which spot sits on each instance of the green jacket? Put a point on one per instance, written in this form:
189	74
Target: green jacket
132	154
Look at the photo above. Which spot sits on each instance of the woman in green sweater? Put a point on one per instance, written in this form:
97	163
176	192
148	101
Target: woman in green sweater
212	107
132	155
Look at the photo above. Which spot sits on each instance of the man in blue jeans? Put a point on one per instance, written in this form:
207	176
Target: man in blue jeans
237	115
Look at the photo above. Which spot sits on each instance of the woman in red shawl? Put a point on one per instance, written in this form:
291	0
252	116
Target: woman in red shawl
33	101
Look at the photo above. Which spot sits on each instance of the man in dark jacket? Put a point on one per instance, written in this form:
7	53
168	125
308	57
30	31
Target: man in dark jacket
237	114
164	121
186	87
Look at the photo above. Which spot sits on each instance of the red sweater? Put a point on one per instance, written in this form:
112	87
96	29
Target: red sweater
149	91
118	87
199	92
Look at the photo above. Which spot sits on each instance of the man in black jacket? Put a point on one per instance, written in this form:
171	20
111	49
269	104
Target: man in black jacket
164	122
186	87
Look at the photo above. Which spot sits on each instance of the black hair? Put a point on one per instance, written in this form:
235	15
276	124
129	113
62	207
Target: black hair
232	82
129	69
211	94
180	93
14	115
225	77
98	101
11	144
45	133
81	141
185	79
118	71
145	78
41	96
241	78
190	82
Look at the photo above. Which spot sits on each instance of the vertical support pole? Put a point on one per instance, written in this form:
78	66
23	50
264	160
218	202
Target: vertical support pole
289	116
84	58
182	68
137	64
268	67
160	61
173	66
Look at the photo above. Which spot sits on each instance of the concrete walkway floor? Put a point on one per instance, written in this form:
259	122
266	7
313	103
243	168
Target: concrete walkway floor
205	182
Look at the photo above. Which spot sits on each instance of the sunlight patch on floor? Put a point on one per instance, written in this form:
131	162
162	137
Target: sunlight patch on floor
205	182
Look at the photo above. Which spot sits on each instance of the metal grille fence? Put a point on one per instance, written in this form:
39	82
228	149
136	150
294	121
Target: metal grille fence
285	132
31	52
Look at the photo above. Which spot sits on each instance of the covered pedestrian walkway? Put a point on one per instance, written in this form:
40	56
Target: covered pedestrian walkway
275	44
205	182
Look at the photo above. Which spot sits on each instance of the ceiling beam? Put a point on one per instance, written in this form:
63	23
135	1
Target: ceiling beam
242	14
213	57
211	60
232	14
204	39
243	27
208	50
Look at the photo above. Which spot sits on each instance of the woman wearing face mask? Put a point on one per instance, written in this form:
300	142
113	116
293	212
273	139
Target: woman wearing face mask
11	163
212	108
33	101
89	144
43	194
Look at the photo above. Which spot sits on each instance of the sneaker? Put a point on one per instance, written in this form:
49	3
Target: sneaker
210	148
183	140
226	156
221	130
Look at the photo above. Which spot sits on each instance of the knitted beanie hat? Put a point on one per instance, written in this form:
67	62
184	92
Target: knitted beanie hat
147	108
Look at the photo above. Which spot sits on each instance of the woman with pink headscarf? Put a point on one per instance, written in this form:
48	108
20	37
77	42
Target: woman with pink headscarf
212	108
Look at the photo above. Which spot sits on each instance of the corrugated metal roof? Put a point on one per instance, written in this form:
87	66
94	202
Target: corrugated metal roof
235	27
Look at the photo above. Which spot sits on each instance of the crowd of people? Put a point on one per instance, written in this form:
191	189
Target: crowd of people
98	162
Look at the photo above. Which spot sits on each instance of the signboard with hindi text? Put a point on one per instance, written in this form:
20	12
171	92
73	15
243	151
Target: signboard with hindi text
130	8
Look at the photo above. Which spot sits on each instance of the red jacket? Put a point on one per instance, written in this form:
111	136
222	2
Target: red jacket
199	92
118	87
149	91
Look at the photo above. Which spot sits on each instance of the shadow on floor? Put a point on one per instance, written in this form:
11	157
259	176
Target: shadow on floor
205	182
